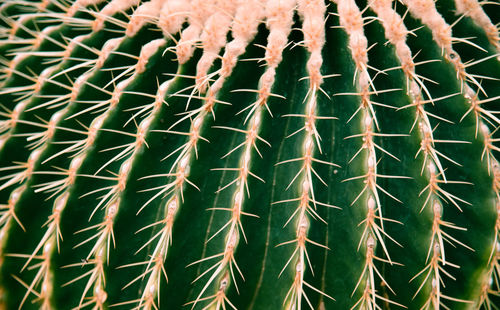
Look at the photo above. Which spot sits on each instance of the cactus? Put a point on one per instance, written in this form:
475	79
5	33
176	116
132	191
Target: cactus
251	154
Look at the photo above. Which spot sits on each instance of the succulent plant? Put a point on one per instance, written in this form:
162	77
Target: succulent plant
249	154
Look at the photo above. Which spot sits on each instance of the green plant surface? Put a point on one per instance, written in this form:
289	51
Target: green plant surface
223	154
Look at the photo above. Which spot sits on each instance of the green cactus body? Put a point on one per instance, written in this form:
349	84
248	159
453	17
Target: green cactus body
249	154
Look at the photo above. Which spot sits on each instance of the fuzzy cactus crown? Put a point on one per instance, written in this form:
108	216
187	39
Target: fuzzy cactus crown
231	154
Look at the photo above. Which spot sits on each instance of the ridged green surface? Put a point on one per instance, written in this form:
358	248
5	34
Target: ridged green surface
262	258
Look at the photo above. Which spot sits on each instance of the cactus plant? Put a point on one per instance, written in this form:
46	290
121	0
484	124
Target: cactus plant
226	154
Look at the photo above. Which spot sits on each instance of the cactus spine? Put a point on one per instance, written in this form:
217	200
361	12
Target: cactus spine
260	154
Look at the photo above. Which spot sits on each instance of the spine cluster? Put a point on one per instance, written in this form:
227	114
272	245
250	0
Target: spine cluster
63	91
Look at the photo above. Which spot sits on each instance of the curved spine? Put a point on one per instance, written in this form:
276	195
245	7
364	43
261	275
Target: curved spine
313	15
245	25
442	33
53	234
473	9
373	233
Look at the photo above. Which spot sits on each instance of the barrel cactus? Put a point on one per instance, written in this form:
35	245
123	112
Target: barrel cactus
249	154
